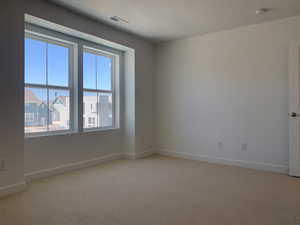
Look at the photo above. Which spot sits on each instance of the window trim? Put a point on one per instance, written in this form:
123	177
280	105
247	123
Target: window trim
99	52
77	69
72	77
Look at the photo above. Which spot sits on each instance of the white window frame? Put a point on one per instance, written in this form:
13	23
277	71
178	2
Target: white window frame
76	78
72	77
100	52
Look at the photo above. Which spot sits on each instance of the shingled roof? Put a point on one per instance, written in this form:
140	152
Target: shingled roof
30	97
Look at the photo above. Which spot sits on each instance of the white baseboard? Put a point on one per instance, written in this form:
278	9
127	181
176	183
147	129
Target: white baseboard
18	187
283	169
140	155
12	189
83	164
71	166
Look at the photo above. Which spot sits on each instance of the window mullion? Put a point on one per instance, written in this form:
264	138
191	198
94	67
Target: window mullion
98	106
98	90
96	65
48	107
47	86
80	91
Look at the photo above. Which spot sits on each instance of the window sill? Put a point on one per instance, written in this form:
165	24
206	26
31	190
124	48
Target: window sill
91	130
50	134
65	133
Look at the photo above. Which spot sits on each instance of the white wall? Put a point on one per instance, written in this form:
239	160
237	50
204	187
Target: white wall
50	152
229	87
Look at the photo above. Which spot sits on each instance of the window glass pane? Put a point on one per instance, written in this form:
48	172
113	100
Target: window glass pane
89	70
90	116
59	116
35	61
36	110
104	73
58	65
105	109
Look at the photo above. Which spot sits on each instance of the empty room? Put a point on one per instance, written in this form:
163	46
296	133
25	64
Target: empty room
162	112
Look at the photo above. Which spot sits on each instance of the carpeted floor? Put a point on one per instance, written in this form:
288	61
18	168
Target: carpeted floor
157	191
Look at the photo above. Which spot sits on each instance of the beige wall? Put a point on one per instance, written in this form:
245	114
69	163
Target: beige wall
11	92
42	153
229	87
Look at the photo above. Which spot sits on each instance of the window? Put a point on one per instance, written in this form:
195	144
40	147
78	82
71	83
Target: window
52	93
98	90
48	85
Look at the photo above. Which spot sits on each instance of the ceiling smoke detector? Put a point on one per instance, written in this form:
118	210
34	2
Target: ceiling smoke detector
118	19
262	11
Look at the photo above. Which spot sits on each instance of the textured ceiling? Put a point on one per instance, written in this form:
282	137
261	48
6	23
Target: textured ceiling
161	20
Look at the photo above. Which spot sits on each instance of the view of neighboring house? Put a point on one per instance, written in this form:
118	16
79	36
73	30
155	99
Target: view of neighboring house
41	117
36	111
97	112
60	111
105	109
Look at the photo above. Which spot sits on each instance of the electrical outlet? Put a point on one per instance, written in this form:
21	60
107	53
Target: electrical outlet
2	164
244	146
220	145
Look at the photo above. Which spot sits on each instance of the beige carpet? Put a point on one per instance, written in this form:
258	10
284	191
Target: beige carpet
157	191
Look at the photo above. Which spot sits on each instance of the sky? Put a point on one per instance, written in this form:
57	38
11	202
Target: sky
96	69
